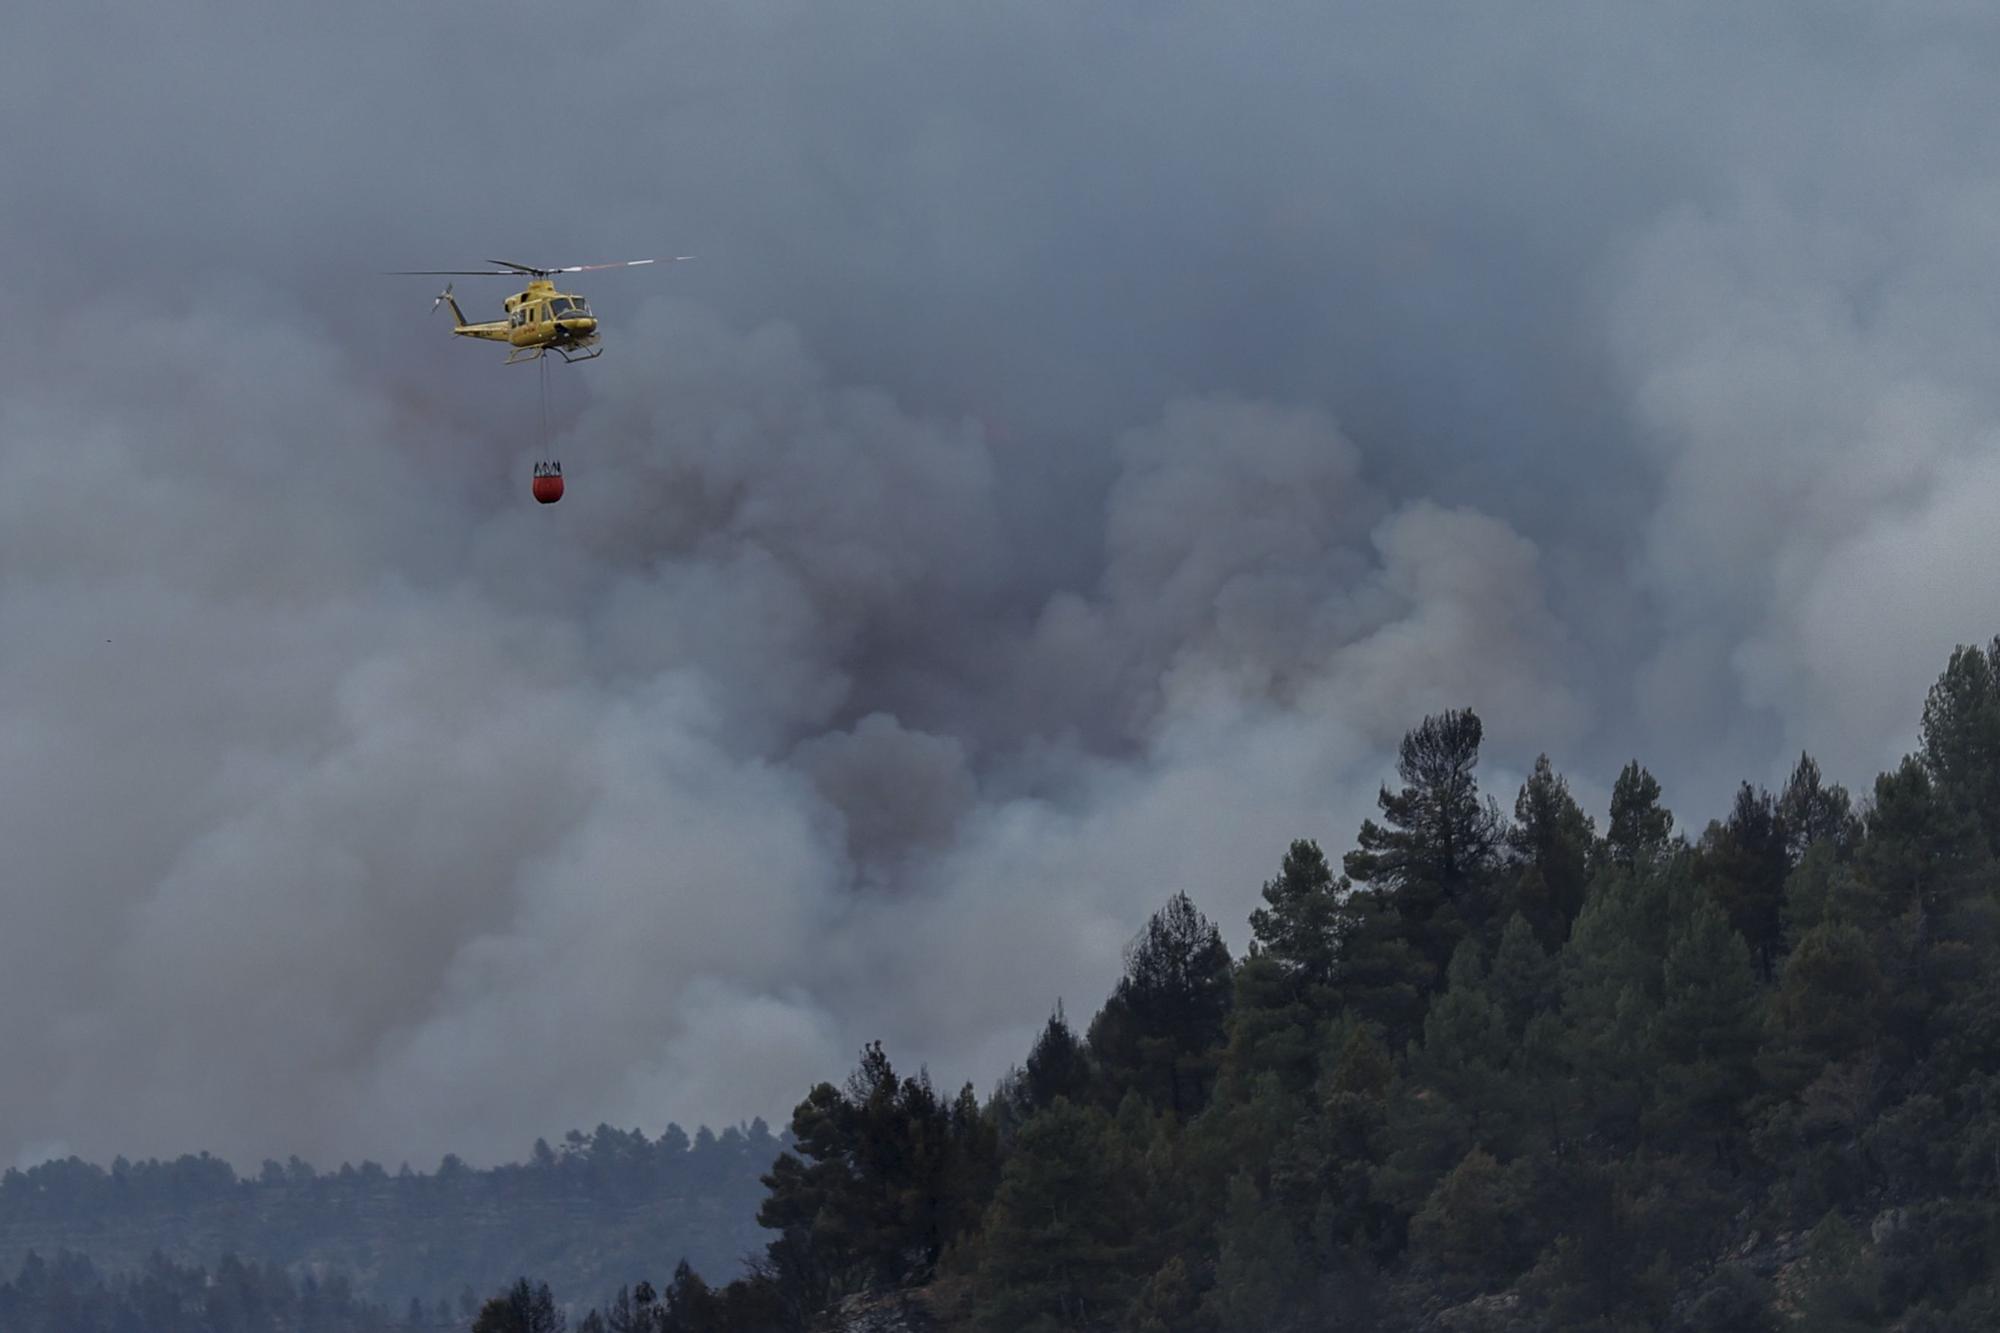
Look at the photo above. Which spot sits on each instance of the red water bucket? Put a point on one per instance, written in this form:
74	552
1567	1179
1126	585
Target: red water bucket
548	486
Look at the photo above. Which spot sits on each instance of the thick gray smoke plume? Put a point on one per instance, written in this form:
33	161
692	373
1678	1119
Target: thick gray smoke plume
1090	437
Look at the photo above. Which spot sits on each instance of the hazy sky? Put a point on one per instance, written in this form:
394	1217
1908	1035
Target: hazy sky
1091	435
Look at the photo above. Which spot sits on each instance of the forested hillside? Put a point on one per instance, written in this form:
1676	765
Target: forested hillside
592	1215
69	1295
1487	1074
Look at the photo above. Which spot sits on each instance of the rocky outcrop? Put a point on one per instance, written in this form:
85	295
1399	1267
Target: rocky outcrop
1765	1256
881	1312
1479	1314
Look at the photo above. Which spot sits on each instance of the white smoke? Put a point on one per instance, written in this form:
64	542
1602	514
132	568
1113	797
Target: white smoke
1089	440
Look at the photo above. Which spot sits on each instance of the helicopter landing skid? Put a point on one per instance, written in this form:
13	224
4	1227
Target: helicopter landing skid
522	354
579	354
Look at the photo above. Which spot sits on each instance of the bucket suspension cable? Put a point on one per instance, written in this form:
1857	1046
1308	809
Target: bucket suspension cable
548	483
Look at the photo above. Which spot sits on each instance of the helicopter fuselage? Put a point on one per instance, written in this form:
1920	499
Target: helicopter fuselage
539	319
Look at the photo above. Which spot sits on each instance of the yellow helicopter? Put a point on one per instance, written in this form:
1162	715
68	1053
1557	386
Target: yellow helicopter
540	319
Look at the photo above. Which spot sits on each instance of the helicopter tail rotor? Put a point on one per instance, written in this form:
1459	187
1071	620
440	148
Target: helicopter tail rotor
445	298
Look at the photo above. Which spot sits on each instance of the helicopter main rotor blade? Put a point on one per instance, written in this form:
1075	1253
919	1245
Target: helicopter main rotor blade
583	268
627	263
509	269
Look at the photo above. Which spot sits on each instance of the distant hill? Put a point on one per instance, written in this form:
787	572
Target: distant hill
603	1210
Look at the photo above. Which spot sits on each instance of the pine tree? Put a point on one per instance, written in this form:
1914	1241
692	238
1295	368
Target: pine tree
1057	1251
1931	874
1707	1030
1424	882
1383	979
811	1196
688	1305
1434	861
1259	1269
974	1170
1298	927
1640	825
1354	1109
1961	737
1271	1031
866	1198
1550	845
1828	1002
1610	983
620	1318
1524	977
527	1307
1162	1029
1921	851
1058	1066
1743	863
1824	888
1466	1046
1451	1097
1814	813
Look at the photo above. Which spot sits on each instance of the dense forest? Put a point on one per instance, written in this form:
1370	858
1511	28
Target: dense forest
1491	1074
588	1214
